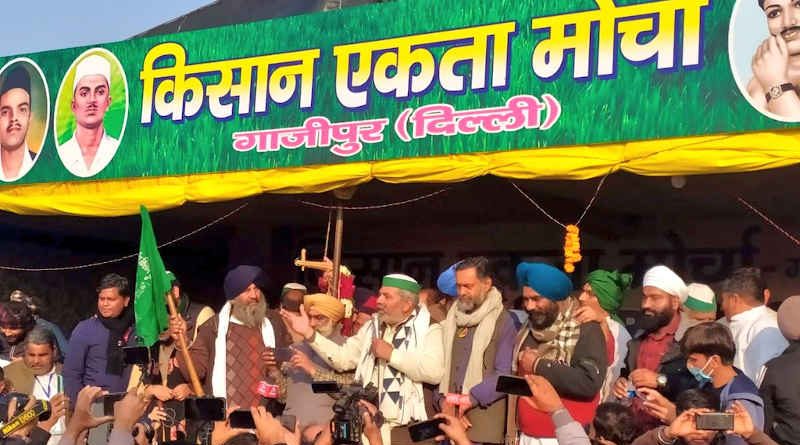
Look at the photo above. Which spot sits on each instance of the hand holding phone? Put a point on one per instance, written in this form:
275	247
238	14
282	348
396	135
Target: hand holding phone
714	421
425	430
509	384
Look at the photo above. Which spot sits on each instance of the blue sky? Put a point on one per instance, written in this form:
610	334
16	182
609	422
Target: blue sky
28	26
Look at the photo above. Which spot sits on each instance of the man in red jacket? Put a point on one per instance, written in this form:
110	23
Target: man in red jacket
554	345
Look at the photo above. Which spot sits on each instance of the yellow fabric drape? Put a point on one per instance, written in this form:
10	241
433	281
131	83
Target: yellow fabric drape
665	157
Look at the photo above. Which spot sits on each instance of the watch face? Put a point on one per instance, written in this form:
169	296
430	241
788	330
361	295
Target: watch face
775	92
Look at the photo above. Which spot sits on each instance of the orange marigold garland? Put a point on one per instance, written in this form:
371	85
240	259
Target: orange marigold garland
572	248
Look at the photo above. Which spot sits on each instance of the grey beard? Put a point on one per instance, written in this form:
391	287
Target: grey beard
251	315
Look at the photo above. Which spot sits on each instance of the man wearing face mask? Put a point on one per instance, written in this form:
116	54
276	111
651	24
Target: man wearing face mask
654	358
709	352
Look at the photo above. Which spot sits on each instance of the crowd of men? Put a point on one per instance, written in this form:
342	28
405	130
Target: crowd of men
431	353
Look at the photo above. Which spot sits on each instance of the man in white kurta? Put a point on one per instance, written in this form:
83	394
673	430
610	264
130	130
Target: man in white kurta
397	351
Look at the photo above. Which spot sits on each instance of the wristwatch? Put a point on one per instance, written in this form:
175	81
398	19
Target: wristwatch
661	381
778	90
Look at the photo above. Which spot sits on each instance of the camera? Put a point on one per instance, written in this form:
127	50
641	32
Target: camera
347	423
22	401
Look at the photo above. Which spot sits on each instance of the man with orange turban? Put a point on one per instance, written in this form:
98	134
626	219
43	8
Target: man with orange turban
325	313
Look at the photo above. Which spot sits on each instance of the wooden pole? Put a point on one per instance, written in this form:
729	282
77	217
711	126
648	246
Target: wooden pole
337	249
195	381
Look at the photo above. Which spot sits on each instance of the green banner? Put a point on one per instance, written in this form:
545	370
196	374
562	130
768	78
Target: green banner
397	80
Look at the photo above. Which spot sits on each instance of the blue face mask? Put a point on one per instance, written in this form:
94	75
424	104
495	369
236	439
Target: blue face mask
699	373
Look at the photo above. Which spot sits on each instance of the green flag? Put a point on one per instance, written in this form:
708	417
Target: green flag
152	285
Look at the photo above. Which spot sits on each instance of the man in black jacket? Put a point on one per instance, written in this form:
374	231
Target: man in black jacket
553	344
780	387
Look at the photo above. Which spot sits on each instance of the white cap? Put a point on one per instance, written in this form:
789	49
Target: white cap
92	65
701	298
294	286
668	281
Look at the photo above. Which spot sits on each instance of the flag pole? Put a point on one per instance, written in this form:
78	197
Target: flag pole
195	380
341	194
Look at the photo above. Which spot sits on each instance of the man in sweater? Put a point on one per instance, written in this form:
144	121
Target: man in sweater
230	352
397	351
95	346
478	344
554	345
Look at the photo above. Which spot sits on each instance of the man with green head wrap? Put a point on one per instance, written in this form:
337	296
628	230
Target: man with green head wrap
600	299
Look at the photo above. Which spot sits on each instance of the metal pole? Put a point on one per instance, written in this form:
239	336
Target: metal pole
337	249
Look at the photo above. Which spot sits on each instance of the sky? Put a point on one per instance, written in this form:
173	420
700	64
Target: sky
749	29
28	26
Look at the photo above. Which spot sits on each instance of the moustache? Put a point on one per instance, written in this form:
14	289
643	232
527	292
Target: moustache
789	30
13	127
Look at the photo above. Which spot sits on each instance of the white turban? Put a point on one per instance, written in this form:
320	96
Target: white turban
93	65
668	281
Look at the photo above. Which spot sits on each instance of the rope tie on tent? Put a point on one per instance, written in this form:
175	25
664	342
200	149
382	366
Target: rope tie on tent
572	240
379	206
126	257
768	220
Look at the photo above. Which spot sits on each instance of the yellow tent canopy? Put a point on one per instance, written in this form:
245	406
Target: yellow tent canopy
679	156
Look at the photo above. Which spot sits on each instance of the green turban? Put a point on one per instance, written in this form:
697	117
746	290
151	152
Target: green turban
609	288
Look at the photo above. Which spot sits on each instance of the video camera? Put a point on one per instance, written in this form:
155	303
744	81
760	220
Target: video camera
39	411
347	423
22	401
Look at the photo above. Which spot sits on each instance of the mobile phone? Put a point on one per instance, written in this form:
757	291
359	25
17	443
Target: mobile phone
283	354
205	408
425	430
509	384
241	418
109	400
714	421
328	387
136	355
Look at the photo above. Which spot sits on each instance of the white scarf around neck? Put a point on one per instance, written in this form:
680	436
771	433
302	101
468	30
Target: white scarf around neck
219	373
485	318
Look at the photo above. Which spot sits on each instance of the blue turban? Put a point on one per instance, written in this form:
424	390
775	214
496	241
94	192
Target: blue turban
447	281
545	279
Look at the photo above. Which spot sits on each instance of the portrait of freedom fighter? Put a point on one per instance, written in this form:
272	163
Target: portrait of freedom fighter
776	63
16	158
91	148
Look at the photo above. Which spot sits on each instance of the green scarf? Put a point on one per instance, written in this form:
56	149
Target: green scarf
610	287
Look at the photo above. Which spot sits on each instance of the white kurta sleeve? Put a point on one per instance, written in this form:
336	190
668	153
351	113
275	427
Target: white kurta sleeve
341	357
426	365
